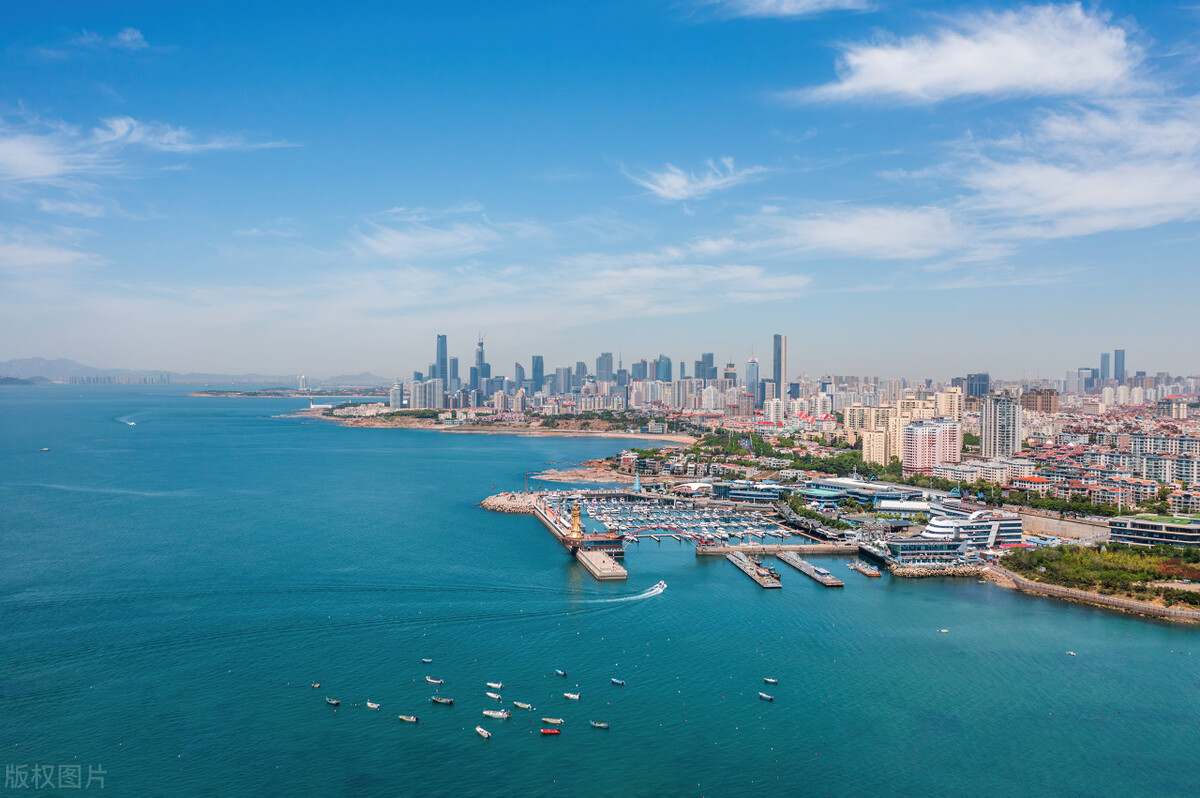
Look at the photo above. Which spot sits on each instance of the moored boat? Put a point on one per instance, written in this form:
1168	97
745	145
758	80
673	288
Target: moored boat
482	732
432	680
333	702
551	731
371	705
493	695
769	680
560	672
497	713
408	718
766	697
552	720
598	725
617	681
572	696
316	685
437	699
522	705
495	685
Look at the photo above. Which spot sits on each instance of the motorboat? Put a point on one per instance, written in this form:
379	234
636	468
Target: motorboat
619	682
426	660
943	631
572	696
493	695
766	697
660	585
551	731
432	680
333	702
437	699
769	680
502	714
408	718
559	672
598	725
495	685
372	705
316	685
482	732
522	705
555	721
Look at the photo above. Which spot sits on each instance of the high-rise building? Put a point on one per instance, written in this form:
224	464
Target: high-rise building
518	376
949	403
663	370
538	367
1001	433
639	370
1119	365
604	367
928	442
979	385
1040	400
452	382
396	396
562	380
441	361
705	370
1104	361
580	374
779	363
752	377
303	383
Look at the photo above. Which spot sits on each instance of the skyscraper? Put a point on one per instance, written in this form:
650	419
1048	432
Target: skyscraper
1104	372
441	361
518	376
1119	365
538	365
979	384
779	364
452	383
1001	434
663	370
604	367
752	377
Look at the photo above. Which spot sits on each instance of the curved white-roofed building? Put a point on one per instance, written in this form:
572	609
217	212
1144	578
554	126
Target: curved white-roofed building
983	528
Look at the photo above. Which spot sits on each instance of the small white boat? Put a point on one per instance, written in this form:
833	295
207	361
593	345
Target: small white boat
495	685
408	718
502	714
371	705
1070	653
618	682
44	449
522	705
432	680
555	721
426	660
493	695
770	681
482	732
560	672
766	697
316	685
943	631
572	696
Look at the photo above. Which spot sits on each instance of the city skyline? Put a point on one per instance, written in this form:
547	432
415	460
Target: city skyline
899	189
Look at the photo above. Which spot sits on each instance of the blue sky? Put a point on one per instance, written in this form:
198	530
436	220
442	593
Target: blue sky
903	188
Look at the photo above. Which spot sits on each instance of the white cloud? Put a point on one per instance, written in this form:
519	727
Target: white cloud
1031	51
24	252
417	241
882	233
68	207
672	183
124	130
787	8
129	39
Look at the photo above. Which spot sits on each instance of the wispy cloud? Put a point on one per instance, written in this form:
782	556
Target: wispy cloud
124	130
418	241
25	252
130	39
786	8
877	233
1050	50
672	183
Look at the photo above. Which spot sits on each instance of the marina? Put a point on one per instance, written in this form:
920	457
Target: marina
816	572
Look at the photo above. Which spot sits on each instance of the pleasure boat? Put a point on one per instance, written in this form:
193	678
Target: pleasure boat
555	721
551	731
493	695
316	685
572	696
482	732
598	725
560	672
432	680
770	681
619	682
426	660
522	705
502	714
437	699
371	705
408	718
495	685
333	702
766	697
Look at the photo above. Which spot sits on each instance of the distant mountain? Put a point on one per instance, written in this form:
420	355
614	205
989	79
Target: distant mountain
62	369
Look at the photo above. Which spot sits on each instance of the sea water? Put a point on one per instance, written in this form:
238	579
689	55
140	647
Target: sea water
169	589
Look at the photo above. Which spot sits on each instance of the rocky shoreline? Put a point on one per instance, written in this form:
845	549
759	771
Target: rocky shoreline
916	572
516	503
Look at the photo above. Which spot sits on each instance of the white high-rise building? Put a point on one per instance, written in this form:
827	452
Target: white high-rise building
773	411
1001	427
928	443
396	396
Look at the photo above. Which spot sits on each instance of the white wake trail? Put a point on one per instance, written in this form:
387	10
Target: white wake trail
645	594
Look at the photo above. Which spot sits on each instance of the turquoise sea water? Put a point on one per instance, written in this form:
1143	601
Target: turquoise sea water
168	591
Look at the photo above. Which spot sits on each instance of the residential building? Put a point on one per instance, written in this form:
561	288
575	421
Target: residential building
1001	428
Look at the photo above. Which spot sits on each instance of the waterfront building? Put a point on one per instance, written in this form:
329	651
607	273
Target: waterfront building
980	529
396	396
1150	530
1001	428
917	550
303	383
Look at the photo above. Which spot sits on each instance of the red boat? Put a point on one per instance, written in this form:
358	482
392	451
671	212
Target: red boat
551	731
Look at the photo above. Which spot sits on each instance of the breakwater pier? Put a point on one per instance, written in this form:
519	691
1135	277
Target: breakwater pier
763	576
808	569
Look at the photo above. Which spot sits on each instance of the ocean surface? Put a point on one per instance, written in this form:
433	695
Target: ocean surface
170	588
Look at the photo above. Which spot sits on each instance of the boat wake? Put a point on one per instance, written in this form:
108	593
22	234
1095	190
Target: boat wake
645	594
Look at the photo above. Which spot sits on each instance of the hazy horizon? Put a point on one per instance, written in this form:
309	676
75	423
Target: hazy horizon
901	189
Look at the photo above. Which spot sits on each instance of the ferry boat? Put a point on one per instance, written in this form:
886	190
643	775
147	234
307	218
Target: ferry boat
437	699
502	714
598	725
495	685
482	732
408	718
572	696
766	697
432	680
551	731
333	702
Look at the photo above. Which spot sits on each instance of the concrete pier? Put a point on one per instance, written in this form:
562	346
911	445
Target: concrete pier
751	570
808	569
601	566
775	548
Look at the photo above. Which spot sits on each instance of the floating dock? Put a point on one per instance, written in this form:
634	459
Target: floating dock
808	569
760	575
